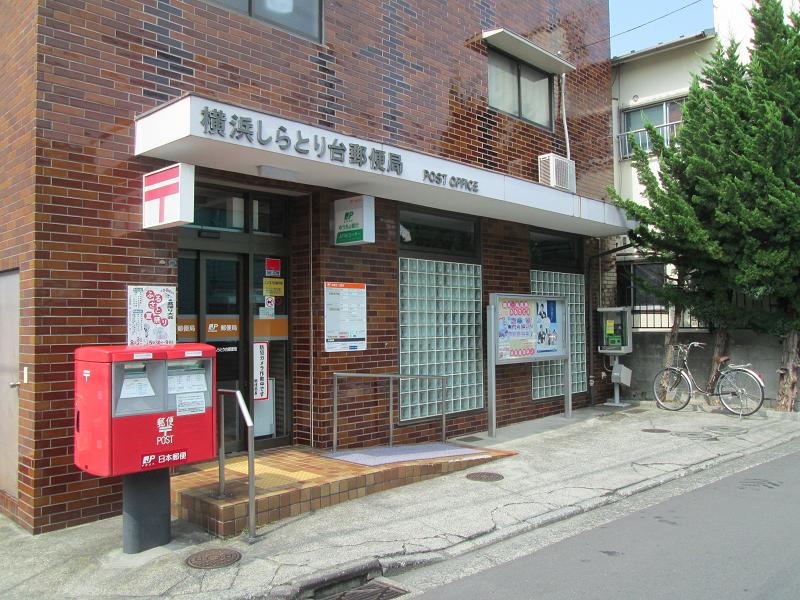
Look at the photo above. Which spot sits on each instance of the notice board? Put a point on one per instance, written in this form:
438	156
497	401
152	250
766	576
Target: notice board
345	316
529	328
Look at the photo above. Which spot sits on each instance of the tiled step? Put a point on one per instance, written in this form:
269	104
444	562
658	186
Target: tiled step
293	481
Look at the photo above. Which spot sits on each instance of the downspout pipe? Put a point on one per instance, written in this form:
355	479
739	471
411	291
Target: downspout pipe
587	277
564	112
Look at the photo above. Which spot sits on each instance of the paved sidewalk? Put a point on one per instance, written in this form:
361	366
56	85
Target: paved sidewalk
564	467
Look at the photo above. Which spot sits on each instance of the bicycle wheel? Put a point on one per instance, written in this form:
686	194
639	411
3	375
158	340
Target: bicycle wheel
740	392
672	389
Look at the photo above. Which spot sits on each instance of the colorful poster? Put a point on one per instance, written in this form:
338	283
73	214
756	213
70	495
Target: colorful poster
261	371
529	328
546	325
151	315
345	316
515	328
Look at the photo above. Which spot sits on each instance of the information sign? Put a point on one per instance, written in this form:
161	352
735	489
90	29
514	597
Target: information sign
345	316
529	328
151	315
261	371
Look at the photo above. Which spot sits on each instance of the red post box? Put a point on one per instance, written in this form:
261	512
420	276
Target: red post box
143	408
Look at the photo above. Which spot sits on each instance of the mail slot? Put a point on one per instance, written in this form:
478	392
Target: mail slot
141	408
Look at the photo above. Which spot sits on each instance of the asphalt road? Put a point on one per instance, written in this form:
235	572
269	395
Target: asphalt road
736	537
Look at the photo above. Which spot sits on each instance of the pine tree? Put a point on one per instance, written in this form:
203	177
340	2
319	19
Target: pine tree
725	208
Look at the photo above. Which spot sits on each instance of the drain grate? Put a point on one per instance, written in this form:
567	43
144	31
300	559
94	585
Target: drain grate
725	430
213	558
470	438
758	484
695	435
655	430
484	476
372	590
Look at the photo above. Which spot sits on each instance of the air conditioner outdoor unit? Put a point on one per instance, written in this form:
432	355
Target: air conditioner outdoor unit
557	171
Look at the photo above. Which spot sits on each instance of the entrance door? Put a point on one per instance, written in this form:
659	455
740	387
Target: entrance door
221	302
9	382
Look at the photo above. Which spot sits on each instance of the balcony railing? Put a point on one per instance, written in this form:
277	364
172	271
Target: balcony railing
642	138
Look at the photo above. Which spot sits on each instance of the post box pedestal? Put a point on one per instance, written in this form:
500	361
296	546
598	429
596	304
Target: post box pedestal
145	511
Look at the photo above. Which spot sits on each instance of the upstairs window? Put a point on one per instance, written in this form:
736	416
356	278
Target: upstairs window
665	117
519	89
298	16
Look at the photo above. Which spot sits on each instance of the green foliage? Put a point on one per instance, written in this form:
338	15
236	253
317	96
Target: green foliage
725	207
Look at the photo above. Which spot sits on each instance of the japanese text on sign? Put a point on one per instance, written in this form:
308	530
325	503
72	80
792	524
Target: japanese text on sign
529	328
216	122
345	316
261	371
151	315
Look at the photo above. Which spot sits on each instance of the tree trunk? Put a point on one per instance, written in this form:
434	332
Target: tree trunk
672	339
787	374
722	340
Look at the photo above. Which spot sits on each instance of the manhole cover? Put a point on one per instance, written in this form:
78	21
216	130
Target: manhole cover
372	590
725	430
655	430
695	435
470	438
214	558
484	476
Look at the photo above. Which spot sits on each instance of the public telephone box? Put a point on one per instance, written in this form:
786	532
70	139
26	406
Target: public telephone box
616	324
143	408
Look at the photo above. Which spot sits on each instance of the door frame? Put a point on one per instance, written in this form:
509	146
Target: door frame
199	242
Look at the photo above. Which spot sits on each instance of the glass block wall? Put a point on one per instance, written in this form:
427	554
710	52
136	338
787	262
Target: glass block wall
548	376
440	334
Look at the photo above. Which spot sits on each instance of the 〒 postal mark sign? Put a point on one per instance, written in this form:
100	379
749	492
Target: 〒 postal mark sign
168	197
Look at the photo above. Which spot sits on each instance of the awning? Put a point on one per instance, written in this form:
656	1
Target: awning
212	134
526	51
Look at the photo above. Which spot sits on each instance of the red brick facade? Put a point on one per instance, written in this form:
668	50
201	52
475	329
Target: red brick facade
411	74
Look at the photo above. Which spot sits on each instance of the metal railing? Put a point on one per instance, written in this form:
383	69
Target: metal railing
642	138
391	377
251	460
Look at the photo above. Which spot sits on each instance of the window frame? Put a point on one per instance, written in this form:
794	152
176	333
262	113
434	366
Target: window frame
249	198
550	90
624	131
576	267
474	257
279	26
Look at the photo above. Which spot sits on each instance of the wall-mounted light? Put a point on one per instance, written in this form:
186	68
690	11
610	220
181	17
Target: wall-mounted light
276	173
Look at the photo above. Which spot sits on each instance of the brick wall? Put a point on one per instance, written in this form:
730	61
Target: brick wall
17	188
403	73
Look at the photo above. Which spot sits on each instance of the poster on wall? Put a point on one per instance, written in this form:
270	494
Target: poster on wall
529	328
261	371
345	316
151	315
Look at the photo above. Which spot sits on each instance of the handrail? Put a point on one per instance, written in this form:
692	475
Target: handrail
251	471
391	377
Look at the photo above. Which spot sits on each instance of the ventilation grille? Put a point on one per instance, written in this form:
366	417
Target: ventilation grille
557	171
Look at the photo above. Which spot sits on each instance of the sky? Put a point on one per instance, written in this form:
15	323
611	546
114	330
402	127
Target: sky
625	14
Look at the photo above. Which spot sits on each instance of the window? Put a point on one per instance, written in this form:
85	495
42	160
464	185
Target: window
519	89
548	376
556	251
631	293
649	311
438	233
299	16
440	334
665	117
224	209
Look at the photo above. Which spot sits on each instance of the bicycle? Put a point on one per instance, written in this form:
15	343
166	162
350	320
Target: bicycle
739	388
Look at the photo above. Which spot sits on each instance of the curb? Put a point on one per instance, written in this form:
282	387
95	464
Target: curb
391	565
